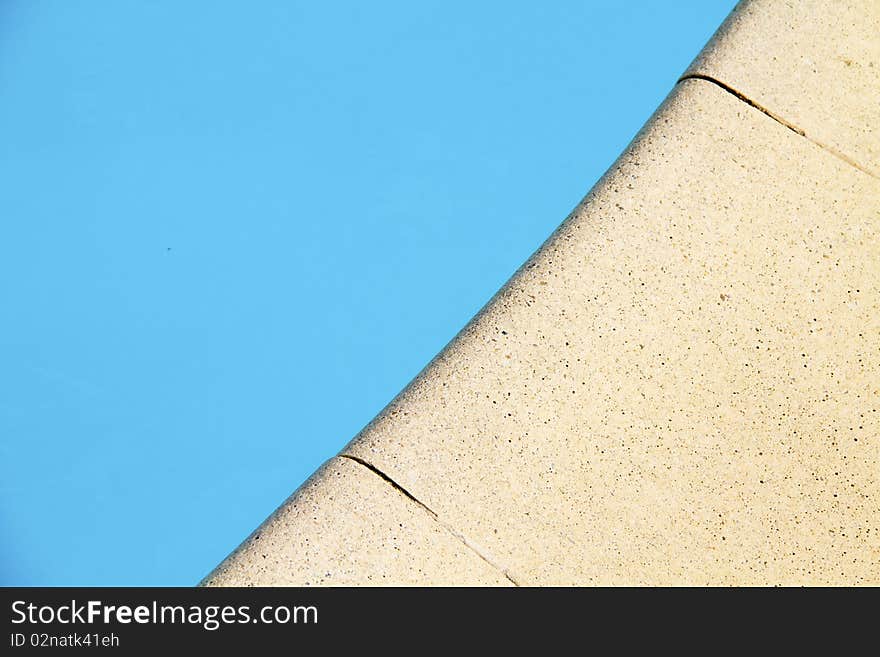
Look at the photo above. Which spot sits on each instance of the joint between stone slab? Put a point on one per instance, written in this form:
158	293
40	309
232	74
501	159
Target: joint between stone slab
372	468
779	119
459	536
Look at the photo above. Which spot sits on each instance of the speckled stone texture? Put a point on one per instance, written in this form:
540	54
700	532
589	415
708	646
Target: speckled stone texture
346	526
816	63
682	386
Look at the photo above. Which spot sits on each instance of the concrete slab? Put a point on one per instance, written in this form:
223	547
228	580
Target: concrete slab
814	63
347	526
681	386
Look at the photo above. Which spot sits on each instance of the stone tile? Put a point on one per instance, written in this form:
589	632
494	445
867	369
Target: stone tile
347	526
682	386
814	63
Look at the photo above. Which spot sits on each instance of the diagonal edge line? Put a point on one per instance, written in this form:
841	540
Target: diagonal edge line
779	119
461	538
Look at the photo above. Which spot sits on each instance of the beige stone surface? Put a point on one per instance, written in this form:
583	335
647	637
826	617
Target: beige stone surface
347	526
681	386
814	63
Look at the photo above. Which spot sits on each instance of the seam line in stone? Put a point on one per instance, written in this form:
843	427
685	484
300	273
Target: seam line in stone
799	131
403	491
